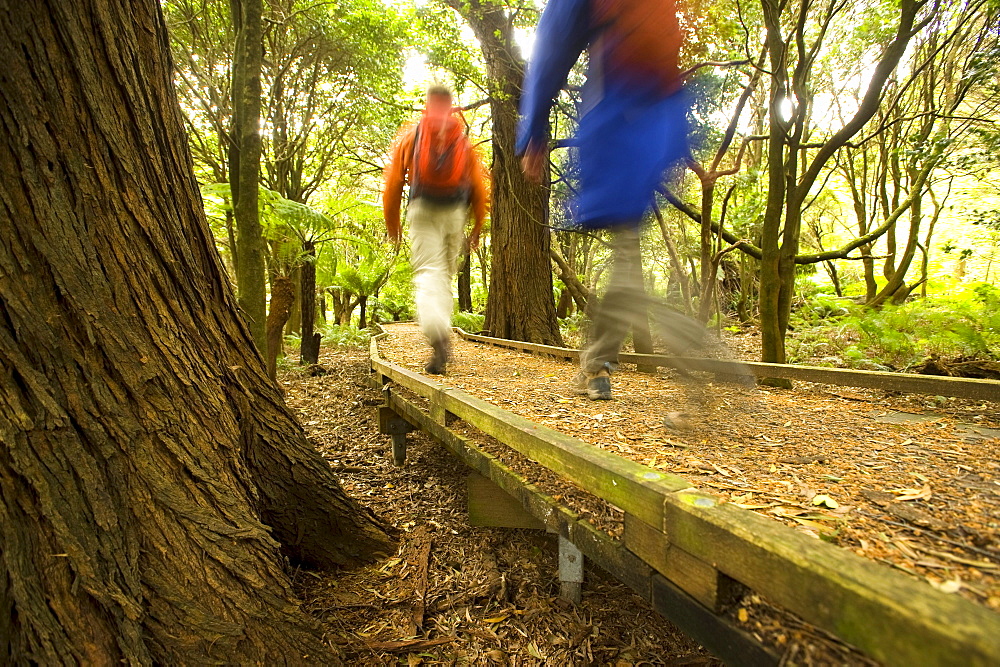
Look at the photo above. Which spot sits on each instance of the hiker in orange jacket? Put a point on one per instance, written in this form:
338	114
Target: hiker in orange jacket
446	180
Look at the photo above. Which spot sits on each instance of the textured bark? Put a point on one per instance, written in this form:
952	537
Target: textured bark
244	163
150	473
293	327
282	298
465	284
520	304
309	347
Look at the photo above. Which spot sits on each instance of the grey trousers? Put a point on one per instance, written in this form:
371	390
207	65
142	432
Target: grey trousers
625	304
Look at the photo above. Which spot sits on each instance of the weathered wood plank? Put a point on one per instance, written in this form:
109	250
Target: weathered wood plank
731	644
889	615
694	576
986	390
491	506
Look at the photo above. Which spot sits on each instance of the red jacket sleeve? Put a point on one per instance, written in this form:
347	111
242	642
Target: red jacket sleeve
480	196
395	178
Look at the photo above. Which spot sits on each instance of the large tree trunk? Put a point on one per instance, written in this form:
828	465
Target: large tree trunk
244	163
520	304
150	473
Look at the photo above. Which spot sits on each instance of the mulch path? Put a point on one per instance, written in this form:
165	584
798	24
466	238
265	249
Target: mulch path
903	480
488	596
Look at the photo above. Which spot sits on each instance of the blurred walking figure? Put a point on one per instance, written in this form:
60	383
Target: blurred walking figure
633	128
446	180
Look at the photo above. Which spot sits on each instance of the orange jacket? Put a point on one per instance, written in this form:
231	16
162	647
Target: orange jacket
396	175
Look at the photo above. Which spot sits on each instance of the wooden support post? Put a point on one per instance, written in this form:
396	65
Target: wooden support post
390	423
570	571
491	506
440	414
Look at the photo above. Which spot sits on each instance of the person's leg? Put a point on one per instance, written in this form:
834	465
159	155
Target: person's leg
431	277
622	305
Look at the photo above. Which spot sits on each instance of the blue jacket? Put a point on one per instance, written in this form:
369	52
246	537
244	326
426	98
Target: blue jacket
630	131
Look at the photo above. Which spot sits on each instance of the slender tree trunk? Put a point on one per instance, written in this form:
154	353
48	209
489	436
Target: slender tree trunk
465	284
146	460
309	346
282	298
294	325
362	319
708	267
679	274
244	163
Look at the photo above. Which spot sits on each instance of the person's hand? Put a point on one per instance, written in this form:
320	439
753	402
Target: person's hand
533	162
472	243
395	236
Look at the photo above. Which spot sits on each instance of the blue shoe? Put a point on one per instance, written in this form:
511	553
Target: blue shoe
599	386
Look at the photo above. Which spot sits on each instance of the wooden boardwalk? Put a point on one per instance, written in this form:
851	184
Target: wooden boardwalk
686	552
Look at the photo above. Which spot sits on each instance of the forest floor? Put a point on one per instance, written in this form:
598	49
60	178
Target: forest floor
491	595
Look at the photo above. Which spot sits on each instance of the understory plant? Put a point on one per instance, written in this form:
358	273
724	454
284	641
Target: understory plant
962	325
345	336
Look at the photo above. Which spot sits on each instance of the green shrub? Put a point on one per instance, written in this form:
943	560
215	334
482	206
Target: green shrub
963	325
345	336
469	322
574	329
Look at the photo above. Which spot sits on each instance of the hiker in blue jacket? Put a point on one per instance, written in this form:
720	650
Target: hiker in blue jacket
633	128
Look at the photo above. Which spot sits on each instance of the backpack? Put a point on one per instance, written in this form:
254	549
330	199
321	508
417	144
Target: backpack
442	160
639	40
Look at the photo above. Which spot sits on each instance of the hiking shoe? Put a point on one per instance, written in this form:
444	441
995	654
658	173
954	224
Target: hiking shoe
595	386
439	360
599	387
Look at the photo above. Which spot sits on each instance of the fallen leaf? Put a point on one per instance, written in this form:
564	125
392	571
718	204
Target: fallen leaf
823	500
743	615
913	494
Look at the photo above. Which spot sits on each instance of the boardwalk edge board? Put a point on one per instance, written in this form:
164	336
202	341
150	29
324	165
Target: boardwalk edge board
984	390
889	615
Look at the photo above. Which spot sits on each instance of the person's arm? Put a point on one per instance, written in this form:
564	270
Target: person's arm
480	198
564	31
395	179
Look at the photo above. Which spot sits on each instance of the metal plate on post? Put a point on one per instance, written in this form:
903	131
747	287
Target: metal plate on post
570	571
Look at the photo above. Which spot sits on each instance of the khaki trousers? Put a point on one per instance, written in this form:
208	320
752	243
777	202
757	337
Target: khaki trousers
437	234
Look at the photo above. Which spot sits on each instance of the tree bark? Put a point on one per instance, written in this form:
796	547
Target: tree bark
465	284
309	347
293	327
151	476
244	163
282	298
520	304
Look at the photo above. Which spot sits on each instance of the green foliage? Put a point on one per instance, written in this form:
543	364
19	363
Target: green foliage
470	322
346	336
574	329
834	331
